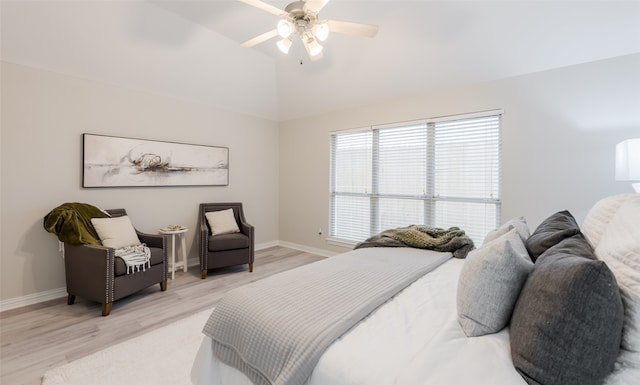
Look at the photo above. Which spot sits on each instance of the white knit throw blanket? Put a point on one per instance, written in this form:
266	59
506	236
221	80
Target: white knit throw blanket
137	258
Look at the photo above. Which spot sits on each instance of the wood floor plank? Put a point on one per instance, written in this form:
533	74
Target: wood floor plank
36	338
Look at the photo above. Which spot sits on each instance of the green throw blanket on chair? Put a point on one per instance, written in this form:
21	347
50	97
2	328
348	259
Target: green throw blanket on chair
71	222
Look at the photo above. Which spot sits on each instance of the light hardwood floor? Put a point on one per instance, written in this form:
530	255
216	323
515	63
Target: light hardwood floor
36	338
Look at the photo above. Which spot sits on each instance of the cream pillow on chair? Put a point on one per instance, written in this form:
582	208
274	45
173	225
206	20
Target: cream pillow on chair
222	222
116	232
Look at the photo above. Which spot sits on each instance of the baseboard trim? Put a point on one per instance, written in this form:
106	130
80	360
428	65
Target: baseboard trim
312	250
32	299
266	245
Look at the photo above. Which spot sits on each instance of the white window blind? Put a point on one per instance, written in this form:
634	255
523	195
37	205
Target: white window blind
441	173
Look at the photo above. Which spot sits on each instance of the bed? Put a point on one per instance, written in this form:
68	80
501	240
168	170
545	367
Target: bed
439	328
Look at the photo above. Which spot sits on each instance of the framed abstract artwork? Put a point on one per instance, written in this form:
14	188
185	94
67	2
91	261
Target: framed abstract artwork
110	161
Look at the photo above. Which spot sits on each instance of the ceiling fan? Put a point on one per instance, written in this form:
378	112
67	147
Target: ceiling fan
301	18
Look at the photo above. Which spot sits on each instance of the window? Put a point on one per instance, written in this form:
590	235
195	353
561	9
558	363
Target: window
440	172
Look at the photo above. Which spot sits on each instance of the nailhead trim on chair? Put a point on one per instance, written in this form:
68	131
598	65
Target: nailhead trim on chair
204	243
106	281
110	276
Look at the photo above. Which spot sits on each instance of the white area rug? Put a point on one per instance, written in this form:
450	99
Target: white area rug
162	356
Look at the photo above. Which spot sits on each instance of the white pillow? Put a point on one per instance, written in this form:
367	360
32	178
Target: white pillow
490	283
222	222
519	223
117	232
600	215
619	247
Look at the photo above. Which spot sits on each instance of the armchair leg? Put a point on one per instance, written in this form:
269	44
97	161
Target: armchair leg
71	299
251	267
163	285
106	308
203	273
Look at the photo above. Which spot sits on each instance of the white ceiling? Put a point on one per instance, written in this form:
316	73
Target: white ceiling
190	49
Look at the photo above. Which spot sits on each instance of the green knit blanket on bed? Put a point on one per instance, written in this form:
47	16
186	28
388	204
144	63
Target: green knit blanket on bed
453	239
423	237
71	222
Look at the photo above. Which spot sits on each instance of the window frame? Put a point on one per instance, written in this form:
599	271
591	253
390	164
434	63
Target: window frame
429	198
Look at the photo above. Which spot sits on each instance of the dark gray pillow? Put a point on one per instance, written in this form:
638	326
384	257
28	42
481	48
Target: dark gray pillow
576	245
550	232
567	323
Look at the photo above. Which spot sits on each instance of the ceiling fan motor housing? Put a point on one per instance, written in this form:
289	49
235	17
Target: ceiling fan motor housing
296	9
302	20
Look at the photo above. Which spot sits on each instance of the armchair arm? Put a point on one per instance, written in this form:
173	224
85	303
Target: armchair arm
246	229
152	240
249	230
89	271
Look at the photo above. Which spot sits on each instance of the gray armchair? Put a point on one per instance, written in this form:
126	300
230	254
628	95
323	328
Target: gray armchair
225	249
95	273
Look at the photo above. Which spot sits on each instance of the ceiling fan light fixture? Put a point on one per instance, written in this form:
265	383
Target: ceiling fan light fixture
284	45
313	47
322	31
285	28
300	18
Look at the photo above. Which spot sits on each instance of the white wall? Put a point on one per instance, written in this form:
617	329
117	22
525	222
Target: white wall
560	128
43	117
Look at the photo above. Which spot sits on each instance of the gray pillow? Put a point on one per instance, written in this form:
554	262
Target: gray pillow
552	230
490	283
519	223
566	326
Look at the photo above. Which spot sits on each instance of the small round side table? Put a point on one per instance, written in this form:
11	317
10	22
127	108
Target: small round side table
177	233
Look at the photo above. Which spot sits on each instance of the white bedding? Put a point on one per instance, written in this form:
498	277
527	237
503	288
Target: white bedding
415	338
422	343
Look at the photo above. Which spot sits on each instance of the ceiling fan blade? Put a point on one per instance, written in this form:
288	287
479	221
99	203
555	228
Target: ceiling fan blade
314	6
260	38
348	28
265	7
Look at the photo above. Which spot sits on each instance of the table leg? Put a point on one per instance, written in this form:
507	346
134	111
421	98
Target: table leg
173	256
184	251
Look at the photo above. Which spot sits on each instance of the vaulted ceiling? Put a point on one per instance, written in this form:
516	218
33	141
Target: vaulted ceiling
191	49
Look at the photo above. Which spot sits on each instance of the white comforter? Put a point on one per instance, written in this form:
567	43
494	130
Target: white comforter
414	339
